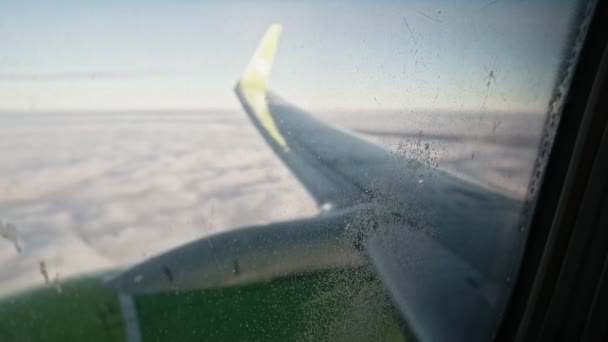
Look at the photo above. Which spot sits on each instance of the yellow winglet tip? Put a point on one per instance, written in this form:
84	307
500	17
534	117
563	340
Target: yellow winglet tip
257	73
254	84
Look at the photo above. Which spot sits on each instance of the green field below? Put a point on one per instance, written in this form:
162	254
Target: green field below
78	310
337	306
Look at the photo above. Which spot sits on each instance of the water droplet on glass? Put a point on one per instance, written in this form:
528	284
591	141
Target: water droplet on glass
44	272
9	232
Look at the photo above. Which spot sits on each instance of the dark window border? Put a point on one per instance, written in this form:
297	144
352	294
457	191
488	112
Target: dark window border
564	265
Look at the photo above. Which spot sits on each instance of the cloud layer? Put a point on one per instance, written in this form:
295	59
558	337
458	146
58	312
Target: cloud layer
91	191
104	190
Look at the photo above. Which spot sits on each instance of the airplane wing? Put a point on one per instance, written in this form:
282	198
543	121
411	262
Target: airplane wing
438	246
320	156
458	228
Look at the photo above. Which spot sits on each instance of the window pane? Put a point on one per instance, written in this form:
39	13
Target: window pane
377	184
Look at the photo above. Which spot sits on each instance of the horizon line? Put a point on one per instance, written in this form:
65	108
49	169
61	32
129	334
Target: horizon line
232	109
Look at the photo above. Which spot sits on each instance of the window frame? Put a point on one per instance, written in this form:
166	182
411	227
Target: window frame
562	278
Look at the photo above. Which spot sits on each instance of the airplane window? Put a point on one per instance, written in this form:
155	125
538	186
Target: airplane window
269	170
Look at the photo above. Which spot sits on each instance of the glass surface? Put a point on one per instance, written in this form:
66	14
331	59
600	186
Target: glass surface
402	142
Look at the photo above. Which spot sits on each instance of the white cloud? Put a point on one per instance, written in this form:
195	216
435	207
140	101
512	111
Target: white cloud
92	191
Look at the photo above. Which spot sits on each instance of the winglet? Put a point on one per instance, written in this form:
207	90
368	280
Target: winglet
257	72
253	85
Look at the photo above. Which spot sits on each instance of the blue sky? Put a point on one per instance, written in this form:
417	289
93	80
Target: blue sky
99	55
